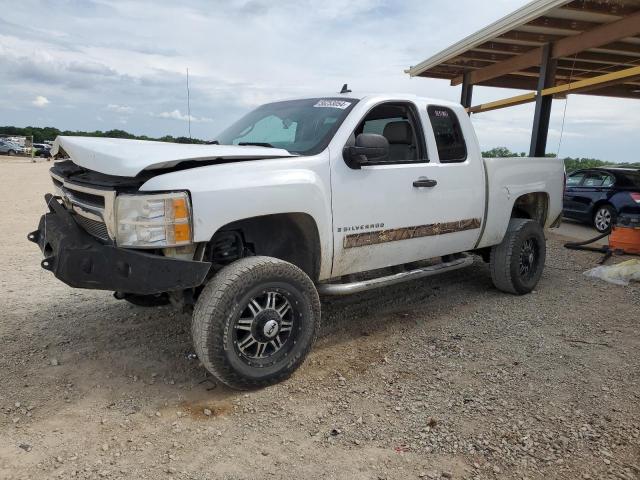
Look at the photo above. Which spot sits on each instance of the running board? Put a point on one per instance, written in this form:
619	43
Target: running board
355	287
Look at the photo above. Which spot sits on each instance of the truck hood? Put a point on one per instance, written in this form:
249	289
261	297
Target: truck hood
127	158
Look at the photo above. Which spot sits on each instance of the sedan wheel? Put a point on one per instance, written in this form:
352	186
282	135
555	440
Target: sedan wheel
603	218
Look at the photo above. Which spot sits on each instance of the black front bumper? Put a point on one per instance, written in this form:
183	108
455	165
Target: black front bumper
81	261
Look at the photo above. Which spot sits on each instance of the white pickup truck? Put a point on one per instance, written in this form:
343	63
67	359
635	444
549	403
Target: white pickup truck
326	195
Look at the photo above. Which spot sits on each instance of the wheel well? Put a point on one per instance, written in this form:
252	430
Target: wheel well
598	204
533	206
292	237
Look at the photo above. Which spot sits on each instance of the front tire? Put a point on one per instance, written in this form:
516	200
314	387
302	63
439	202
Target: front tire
603	218
517	263
255	322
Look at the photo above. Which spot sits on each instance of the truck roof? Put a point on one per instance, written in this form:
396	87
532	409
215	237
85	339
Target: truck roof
379	97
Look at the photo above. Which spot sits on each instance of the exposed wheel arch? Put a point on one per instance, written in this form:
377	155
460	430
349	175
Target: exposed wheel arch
532	206
599	203
292	237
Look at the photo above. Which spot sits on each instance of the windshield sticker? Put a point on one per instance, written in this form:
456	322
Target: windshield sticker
341	104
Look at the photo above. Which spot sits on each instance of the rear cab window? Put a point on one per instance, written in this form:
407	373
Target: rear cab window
450	141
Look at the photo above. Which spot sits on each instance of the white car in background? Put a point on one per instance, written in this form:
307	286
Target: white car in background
11	148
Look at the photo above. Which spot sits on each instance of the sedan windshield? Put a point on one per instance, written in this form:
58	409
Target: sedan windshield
304	126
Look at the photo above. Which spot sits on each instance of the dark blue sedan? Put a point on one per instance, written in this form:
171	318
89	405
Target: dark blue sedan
598	195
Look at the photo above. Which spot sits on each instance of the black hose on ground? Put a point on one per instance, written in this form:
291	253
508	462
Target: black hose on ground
581	245
608	252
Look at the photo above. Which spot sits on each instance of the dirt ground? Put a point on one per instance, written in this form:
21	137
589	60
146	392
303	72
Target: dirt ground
439	378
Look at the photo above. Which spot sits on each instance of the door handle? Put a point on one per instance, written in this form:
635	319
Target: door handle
424	182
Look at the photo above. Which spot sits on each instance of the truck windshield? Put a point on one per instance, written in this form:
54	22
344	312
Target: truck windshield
304	126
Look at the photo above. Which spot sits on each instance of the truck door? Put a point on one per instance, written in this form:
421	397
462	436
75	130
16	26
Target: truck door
411	206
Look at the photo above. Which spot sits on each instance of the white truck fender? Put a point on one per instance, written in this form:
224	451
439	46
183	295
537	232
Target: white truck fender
229	192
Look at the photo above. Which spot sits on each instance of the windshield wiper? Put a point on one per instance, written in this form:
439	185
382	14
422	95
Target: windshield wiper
257	144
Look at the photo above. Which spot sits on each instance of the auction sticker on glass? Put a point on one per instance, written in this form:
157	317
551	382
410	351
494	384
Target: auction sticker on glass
341	104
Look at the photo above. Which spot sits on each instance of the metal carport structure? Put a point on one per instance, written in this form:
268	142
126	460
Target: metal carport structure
552	48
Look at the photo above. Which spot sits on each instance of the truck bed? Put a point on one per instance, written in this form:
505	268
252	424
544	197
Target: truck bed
508	178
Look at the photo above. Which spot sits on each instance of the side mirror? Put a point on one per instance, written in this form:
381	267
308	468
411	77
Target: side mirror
369	148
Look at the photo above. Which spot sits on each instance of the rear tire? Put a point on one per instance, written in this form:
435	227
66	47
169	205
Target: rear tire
11	153
604	218
517	263
255	322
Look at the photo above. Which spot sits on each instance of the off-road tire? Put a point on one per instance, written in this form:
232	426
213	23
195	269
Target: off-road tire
505	259
221	303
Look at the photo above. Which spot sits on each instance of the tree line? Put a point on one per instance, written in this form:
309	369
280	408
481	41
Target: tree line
43	134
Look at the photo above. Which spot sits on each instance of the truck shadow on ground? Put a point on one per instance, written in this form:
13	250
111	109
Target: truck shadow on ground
346	317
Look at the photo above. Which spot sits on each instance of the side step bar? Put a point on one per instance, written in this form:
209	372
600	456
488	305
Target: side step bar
355	287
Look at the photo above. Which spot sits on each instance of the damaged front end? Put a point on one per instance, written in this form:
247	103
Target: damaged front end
81	261
82	240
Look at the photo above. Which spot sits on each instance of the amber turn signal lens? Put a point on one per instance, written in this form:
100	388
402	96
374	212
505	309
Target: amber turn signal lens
180	209
181	232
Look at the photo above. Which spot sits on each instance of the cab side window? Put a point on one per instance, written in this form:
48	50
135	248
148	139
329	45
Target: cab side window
397	122
449	139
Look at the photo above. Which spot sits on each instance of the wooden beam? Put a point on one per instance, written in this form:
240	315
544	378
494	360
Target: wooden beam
619	91
595	82
563	24
530	37
599	35
502	47
607	8
603	58
483	56
601	83
507	102
536	39
513	64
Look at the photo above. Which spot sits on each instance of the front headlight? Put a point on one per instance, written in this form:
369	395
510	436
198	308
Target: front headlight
159	220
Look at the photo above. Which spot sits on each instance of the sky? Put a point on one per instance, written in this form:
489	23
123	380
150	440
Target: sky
99	65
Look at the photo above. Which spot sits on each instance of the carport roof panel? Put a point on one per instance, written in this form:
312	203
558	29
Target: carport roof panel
535	24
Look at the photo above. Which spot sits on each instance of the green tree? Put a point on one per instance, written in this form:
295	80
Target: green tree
499	152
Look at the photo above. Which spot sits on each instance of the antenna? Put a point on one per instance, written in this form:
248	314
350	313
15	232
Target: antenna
188	105
345	89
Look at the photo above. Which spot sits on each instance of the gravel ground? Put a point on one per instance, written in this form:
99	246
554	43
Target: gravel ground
440	378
